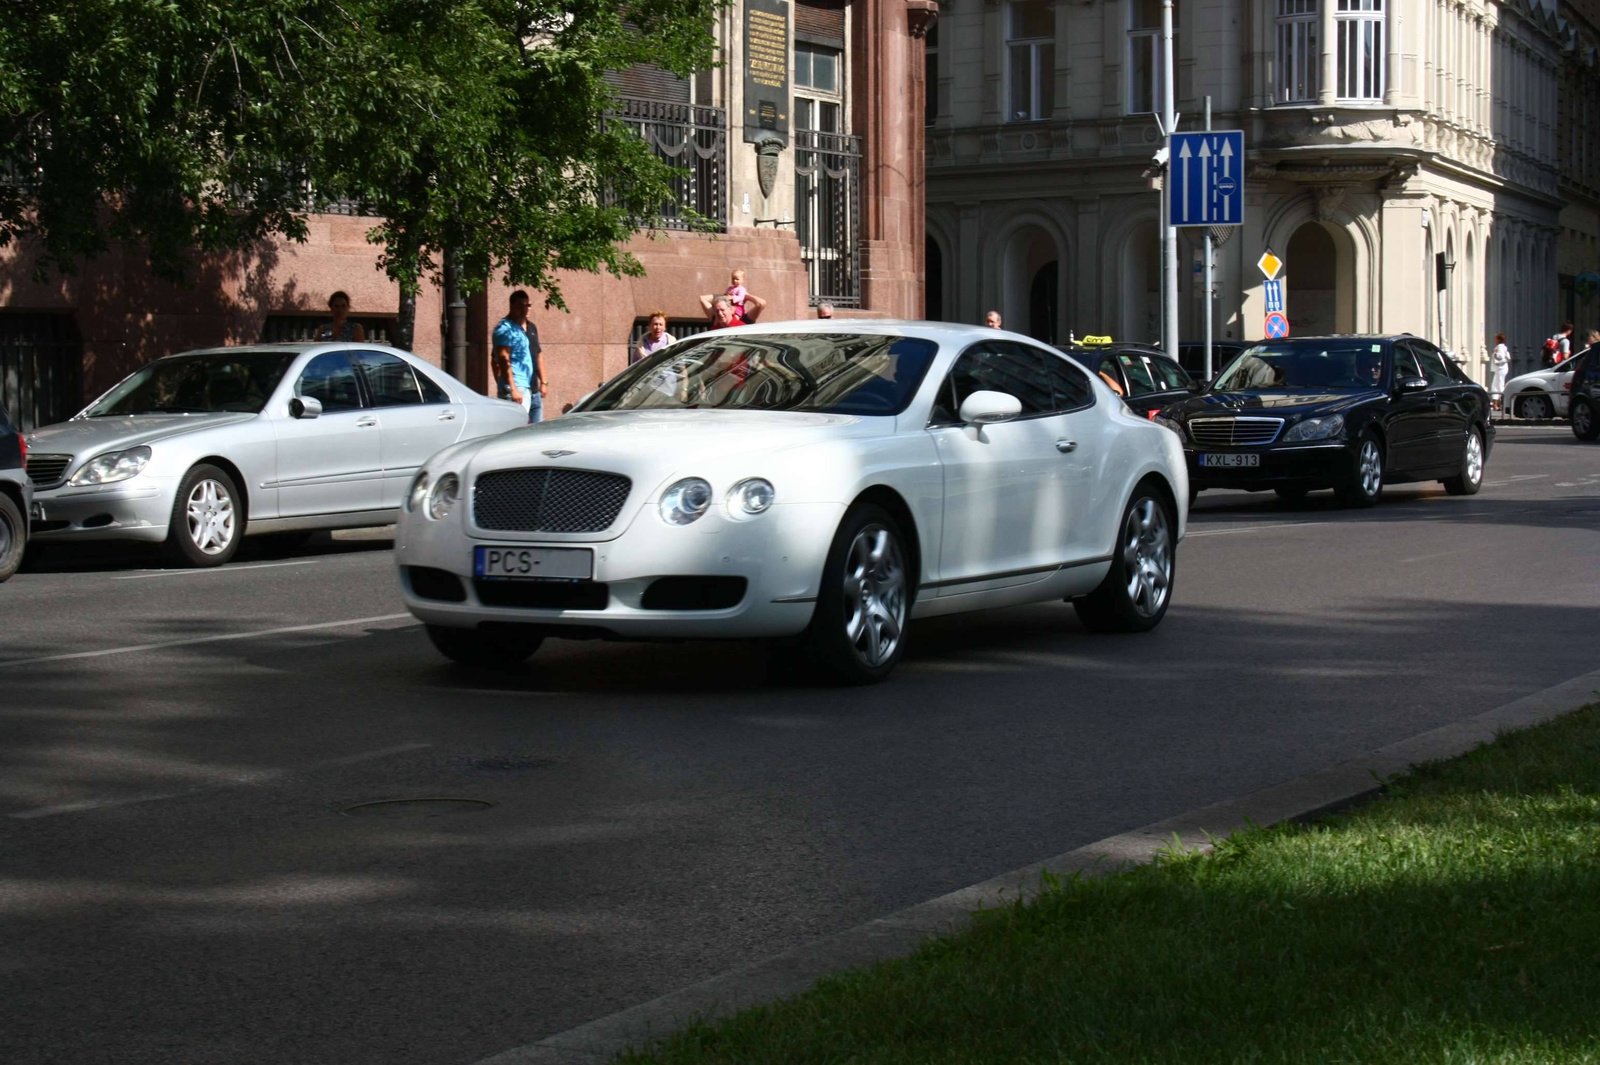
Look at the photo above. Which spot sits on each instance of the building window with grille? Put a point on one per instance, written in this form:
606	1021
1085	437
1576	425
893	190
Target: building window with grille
1358	27
1030	59
1299	57
827	172
1146	86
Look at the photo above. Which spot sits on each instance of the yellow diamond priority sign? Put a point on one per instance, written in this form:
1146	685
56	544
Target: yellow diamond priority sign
1269	264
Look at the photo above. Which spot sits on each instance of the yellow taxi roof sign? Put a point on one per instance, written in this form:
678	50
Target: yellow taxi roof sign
1096	340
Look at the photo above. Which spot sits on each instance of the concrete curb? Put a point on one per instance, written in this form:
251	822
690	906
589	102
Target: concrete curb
898	934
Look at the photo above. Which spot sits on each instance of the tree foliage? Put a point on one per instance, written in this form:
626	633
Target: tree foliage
478	125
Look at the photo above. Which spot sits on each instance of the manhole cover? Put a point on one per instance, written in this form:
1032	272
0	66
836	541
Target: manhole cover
435	807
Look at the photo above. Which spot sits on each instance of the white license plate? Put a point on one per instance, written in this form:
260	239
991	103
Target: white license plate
1243	458
533	563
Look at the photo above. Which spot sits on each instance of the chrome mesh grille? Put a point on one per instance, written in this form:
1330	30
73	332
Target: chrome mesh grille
47	469
1234	432
546	500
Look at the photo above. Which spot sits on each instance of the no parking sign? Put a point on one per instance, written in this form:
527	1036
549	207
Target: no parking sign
1277	326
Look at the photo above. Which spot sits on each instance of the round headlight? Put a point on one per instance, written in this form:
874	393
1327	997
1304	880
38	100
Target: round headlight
114	466
445	492
750	497
419	491
685	501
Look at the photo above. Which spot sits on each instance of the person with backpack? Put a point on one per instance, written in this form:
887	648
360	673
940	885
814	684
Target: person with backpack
1559	347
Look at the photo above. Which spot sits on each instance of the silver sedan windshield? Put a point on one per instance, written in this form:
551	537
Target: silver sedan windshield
830	373
207	383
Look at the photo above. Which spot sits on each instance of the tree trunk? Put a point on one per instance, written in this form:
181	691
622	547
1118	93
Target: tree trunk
405	321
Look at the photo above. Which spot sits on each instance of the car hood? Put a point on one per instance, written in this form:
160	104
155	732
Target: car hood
1286	403
86	436
647	445
1546	376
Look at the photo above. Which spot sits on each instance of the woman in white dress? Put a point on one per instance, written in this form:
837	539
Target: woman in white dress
1500	360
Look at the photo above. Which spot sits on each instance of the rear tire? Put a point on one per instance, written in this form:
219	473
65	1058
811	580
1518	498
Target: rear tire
1470	479
1584	424
13	537
1137	588
1366	474
207	523
482	649
858	633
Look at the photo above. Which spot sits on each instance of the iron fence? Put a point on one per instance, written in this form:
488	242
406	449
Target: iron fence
827	175
693	141
41	368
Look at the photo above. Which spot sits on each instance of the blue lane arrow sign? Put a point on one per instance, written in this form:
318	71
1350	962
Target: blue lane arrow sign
1205	189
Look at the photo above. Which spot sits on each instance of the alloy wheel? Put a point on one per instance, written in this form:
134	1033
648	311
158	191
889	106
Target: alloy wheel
1371	468
874	595
1472	468
1582	420
210	514
1147	557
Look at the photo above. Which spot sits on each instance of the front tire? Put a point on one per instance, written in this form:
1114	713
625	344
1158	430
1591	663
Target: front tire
1470	479
1367	477
1535	408
13	537
857	634
207	522
1584	424
1137	588
482	649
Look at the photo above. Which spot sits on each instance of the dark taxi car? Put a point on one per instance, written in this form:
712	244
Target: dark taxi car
1192	356
1349	413
16	496
1583	391
1147	379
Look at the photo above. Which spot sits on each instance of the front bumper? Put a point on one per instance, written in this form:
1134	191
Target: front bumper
1318	464
136	509
780	555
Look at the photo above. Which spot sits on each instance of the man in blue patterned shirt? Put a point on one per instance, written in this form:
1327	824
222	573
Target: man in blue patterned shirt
518	363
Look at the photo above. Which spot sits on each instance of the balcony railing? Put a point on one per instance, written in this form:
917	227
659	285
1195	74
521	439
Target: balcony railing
693	141
827	178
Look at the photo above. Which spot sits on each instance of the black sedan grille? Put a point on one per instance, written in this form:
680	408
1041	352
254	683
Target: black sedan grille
47	469
1234	432
547	500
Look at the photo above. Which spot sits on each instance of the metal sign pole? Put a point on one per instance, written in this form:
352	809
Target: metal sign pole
1169	235
1208	268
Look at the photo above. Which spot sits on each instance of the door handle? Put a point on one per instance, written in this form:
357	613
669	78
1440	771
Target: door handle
1065	446
366	422
448	416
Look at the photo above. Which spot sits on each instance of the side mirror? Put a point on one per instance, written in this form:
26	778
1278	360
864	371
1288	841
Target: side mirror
1196	385
1407	385
305	407
986	408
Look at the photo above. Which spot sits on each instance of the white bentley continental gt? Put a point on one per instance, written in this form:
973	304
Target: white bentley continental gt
823	480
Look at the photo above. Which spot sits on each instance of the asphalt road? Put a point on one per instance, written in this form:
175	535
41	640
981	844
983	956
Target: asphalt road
182	877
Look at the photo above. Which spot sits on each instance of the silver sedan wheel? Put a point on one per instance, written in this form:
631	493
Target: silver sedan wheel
1147	557
1472	468
210	516
1371	467
874	595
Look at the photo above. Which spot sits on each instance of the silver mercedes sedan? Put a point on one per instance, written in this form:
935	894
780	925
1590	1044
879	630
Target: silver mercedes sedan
200	449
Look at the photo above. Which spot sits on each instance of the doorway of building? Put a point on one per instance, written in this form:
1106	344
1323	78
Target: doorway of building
1319	275
933	281
1043	309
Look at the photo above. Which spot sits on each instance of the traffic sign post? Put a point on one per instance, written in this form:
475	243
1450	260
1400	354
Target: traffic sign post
1275	297
1277	326
1206	189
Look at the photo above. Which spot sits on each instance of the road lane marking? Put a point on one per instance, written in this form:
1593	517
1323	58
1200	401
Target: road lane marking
265	776
217	569
209	639
1247	528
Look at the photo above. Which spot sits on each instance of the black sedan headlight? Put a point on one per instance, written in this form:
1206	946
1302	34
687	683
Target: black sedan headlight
1315	428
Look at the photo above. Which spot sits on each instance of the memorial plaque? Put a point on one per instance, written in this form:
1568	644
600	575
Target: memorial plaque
766	70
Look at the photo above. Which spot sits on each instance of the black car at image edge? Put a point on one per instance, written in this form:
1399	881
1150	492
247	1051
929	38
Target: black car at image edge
16	496
1350	413
1583	404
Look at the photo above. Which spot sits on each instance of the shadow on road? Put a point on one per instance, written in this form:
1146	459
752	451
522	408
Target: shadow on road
111	556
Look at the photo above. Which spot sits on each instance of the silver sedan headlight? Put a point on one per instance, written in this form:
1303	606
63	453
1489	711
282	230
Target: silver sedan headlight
751	497
1315	428
446	490
685	501
113	466
418	493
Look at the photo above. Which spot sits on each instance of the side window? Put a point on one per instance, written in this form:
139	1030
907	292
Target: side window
1405	364
431	392
330	380
1137	373
1169	375
996	367
390	381
1432	362
1069	386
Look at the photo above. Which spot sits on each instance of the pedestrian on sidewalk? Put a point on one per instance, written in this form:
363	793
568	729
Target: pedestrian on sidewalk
1500	360
993	320
341	328
517	360
744	305
720	308
824	310
655	338
1559	347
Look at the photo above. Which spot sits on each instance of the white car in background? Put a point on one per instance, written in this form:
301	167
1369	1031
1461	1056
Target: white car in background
201	449
1541	394
823	480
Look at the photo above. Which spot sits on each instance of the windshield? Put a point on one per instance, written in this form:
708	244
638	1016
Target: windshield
827	373
239	381
1319	364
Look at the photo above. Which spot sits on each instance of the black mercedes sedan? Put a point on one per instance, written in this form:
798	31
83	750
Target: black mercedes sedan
1350	413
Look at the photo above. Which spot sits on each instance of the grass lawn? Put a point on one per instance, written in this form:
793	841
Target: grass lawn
1456	919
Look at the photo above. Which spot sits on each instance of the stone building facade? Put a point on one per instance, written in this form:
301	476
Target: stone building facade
802	152
1402	159
1578	250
